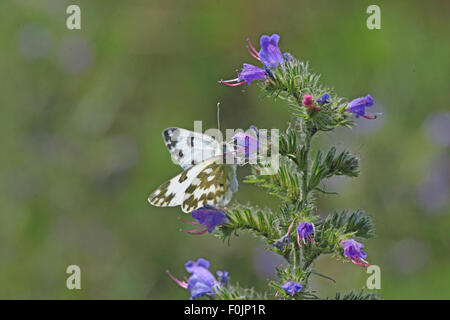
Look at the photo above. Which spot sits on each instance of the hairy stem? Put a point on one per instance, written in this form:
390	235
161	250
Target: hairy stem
305	169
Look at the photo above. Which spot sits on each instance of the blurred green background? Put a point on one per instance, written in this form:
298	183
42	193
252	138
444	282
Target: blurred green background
82	113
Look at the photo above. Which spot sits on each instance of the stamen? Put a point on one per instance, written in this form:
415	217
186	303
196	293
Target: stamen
373	117
232	80
195	231
363	260
254	50
352	259
357	261
253	55
366	263
298	241
182	284
188	222
233	84
369	117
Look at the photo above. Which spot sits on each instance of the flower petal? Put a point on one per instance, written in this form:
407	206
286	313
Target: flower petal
292	287
250	73
358	106
199	286
209	217
193	267
270	54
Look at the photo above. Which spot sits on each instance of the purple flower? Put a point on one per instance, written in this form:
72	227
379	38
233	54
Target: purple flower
324	99
250	73
288	57
304	231
269	55
247	143
207	217
282	242
292	287
358	107
222	276
201	281
353	251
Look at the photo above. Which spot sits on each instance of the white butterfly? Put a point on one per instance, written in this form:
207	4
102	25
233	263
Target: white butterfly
206	180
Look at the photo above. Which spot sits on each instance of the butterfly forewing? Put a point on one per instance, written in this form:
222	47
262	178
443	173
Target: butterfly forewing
189	148
205	179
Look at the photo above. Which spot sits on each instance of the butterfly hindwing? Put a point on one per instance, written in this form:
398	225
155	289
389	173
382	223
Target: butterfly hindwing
210	187
171	193
189	148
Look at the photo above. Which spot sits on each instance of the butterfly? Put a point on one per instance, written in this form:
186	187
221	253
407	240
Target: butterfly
206	179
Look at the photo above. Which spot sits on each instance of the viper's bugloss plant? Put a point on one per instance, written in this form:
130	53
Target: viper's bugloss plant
292	287
201	282
295	231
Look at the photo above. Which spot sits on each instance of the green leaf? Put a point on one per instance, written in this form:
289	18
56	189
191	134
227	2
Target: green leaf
259	222
238	293
322	275
353	295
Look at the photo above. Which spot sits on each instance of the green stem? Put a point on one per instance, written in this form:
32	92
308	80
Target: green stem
295	257
311	259
305	169
300	254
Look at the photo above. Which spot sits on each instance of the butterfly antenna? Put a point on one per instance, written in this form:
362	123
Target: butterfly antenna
218	116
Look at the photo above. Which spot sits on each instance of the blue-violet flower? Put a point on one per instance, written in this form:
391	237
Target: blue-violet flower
208	217
201	281
324	99
353	251
269	55
222	277
281	243
304	232
358	107
292	287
